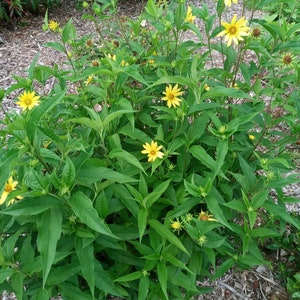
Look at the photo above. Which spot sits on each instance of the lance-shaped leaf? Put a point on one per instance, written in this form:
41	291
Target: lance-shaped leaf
83	208
49	230
164	232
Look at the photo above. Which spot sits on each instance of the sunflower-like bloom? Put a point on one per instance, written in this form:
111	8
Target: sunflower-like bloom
28	100
235	30
171	95
153	151
53	25
189	16
229	2
8	187
205	216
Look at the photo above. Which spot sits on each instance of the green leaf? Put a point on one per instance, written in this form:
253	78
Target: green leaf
172	79
115	115
105	283
223	268
85	254
61	274
68	33
237	205
222	149
259	199
68	173
236	122
32	206
130	277
72	291
88	123
192	189
37	114
151	198
143	288
199	153
202	106
264	232
176	262
49	225
278	211
164	232
56	46
83	208
92	171
43	294
162	274
219	91
131	159
142	221
214	207
252	215
5	273
17	283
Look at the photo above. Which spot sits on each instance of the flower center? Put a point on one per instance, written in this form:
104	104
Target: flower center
152	152
171	96
7	188
287	59
176	225
27	101
232	30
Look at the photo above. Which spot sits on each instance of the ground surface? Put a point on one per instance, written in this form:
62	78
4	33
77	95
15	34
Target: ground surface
26	39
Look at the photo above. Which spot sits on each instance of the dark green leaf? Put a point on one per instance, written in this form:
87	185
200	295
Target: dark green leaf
49	227
164	232
92	171
83	208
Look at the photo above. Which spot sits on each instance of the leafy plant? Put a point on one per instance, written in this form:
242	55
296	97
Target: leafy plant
10	9
161	168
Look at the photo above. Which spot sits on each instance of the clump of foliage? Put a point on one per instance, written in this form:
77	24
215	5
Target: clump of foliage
10	9
163	168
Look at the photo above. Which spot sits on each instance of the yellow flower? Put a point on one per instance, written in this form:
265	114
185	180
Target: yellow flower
124	63
235	30
205	216
153	151
228	2
206	87
12	201
8	187
171	95
112	57
176	225
89	80
189	16
28	100
53	25
251	137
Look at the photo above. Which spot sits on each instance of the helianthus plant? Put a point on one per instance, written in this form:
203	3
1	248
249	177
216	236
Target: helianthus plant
157	172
